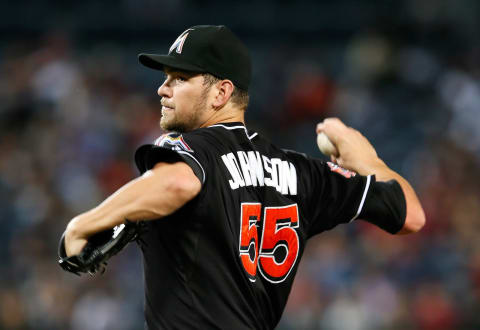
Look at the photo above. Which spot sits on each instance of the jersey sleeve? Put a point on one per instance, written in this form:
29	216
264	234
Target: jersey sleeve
174	147
333	195
385	206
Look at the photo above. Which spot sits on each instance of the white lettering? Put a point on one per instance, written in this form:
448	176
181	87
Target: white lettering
276	164
258	170
234	184
268	169
291	179
232	166
242	157
232	158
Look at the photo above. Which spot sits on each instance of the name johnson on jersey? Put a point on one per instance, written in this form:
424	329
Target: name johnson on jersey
252	169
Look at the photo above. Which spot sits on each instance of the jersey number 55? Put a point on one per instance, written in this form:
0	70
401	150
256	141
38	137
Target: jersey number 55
277	250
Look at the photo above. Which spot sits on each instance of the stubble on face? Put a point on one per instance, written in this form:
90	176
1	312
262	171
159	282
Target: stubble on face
185	121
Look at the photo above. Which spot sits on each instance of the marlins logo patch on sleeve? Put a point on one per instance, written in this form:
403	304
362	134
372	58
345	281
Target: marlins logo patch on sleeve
340	170
173	141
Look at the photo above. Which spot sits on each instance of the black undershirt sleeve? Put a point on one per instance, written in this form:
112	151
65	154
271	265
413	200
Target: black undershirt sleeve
385	206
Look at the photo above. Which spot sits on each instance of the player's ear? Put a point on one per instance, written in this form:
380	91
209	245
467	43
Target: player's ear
223	92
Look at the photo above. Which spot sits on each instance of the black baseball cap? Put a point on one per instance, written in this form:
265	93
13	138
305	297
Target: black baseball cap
206	49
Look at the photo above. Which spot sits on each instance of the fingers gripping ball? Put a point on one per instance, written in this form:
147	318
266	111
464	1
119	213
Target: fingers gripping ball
325	145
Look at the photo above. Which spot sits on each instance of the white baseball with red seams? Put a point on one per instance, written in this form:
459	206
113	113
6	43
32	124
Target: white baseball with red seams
325	145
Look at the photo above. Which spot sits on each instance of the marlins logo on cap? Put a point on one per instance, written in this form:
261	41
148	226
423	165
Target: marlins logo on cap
178	44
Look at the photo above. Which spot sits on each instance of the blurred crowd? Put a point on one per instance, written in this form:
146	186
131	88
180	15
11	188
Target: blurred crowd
72	115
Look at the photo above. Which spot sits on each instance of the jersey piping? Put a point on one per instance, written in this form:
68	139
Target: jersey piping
360	207
236	127
200	165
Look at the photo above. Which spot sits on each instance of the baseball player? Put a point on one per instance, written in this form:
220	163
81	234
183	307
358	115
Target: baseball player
230	212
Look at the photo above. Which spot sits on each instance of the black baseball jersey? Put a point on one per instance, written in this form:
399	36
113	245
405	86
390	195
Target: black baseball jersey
227	259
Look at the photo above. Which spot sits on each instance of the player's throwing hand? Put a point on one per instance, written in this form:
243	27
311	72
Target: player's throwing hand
354	150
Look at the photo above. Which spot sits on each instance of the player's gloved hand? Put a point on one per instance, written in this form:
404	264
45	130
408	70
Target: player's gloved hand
99	248
354	150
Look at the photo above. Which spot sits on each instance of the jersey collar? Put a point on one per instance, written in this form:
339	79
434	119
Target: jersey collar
229	124
236	125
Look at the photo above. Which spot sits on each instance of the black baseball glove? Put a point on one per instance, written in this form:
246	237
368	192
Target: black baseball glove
99	248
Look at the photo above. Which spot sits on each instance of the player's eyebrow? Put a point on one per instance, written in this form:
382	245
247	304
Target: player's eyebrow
172	72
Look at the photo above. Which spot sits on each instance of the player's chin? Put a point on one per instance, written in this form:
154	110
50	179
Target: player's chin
170	124
164	124
167	119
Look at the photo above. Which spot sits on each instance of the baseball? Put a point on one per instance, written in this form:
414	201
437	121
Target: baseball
325	145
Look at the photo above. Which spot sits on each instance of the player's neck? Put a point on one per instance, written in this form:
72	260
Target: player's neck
225	115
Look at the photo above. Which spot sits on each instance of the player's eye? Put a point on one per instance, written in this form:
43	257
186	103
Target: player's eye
164	78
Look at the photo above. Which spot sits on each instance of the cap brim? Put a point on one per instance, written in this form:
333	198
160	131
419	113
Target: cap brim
159	62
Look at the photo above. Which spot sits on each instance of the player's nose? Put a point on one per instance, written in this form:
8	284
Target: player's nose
164	90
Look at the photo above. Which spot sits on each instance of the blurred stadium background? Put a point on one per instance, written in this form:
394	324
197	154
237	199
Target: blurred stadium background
75	104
